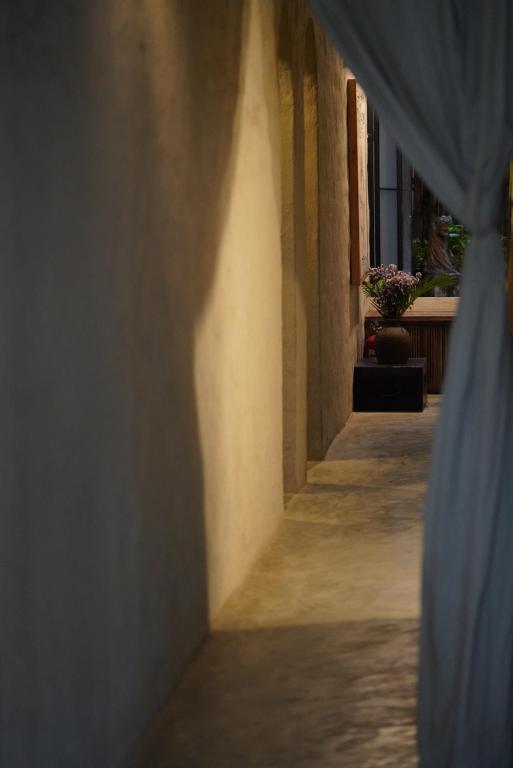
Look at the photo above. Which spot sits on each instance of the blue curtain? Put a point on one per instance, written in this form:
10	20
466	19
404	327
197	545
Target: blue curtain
440	74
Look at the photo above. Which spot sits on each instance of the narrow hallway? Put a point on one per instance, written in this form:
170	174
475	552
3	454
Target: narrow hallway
313	662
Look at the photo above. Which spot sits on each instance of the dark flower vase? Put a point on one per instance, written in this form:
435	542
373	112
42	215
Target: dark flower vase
393	343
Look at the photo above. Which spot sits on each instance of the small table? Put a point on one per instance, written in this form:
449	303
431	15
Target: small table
390	387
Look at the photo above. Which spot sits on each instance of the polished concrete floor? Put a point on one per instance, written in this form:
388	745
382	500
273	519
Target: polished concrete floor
313	662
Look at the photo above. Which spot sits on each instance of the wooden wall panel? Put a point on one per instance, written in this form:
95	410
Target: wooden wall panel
354	200
431	340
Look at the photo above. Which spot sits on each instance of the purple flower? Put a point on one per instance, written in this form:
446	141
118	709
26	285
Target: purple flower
392	290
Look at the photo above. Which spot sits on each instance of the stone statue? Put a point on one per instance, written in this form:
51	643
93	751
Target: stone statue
437	255
438	260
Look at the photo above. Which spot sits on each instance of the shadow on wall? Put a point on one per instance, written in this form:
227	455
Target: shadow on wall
185	188
118	139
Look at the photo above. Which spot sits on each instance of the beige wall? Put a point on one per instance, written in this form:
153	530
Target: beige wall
328	340
238	357
293	247
141	401
141	337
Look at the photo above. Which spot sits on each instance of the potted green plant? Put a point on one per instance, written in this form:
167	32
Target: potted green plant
392	292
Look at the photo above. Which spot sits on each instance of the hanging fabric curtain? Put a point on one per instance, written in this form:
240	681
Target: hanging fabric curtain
440	74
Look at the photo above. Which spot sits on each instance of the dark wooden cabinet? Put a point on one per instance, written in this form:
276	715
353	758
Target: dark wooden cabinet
390	387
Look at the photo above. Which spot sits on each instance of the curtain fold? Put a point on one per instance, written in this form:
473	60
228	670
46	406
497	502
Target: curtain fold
440	74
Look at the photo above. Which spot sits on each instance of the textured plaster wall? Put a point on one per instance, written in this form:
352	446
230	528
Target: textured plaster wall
238	349
140	398
341	315
141	345
294	321
332	337
312	129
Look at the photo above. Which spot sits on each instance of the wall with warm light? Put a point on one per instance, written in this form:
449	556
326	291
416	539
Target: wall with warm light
323	330
141	401
237	347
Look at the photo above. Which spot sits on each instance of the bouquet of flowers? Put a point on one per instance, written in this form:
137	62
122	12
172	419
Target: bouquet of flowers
393	291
